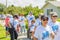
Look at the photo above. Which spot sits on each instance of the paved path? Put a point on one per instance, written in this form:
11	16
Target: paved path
23	37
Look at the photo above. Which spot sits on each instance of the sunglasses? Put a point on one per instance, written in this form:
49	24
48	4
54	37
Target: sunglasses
54	16
45	19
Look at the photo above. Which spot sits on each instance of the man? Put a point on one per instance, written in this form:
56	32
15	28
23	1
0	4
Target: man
43	32
22	23
13	27
55	25
29	17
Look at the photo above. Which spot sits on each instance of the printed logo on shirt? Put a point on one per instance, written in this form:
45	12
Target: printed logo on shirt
55	28
31	18
45	34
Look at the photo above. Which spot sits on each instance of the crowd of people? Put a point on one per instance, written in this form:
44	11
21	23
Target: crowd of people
42	28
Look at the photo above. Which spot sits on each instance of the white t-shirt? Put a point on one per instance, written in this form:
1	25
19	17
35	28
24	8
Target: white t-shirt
56	29
55	26
22	20
57	37
16	22
38	22
32	27
11	20
30	18
42	33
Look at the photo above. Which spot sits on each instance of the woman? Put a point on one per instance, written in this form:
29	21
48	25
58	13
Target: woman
55	25
43	32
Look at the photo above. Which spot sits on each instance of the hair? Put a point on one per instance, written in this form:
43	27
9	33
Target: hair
44	17
33	21
15	16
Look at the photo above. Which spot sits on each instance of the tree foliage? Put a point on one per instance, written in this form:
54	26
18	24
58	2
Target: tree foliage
25	10
2	7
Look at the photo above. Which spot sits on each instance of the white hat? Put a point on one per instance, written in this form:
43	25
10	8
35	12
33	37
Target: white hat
53	14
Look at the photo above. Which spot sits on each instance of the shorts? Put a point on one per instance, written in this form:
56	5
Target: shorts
7	29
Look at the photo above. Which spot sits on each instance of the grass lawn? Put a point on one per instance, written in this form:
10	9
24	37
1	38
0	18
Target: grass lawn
2	34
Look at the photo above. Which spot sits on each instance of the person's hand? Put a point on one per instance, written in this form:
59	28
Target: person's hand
52	35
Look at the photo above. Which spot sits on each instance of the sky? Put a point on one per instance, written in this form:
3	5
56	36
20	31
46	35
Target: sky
24	3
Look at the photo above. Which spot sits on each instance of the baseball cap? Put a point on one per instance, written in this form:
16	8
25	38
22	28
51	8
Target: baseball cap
54	14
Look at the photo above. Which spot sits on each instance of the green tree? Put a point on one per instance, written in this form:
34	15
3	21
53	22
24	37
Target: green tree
17	10
2	7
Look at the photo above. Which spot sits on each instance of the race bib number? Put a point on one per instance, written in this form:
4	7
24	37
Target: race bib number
45	34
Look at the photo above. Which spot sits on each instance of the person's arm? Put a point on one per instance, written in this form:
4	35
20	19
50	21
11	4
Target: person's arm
52	35
5	22
35	38
36	34
35	28
9	24
19	20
